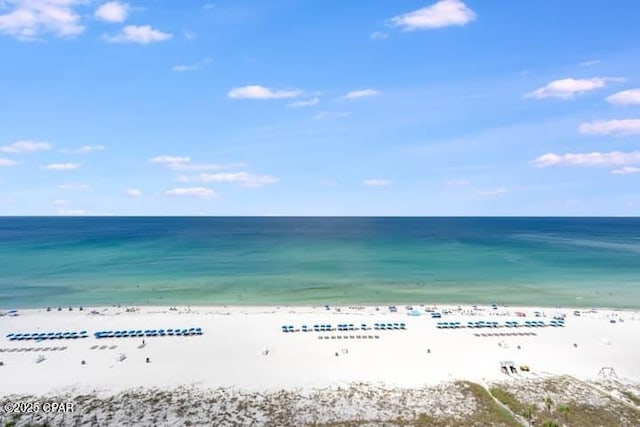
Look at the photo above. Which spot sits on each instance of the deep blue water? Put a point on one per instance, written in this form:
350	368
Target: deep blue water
49	261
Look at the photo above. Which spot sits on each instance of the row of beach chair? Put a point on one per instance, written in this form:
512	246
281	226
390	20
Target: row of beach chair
346	337
148	333
506	334
479	324
22	349
345	327
39	336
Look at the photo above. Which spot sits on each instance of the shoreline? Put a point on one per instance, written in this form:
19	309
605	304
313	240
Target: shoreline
318	305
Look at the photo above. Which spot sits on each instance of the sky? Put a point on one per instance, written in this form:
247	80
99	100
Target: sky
320	107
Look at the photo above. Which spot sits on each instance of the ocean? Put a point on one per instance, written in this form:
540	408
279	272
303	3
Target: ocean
65	261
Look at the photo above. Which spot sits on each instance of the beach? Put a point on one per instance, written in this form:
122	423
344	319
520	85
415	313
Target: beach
245	348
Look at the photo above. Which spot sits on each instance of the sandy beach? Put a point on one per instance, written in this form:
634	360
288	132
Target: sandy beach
243	369
245	347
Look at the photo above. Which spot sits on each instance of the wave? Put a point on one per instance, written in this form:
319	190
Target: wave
588	243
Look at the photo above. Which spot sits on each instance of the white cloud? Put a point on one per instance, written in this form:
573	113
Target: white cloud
622	127
191	67
376	182
26	20
589	63
71	212
140	34
7	162
444	13
164	159
191	192
613	158
626	170
85	149
362	93
26	147
568	88
184	68
184	163
492	192
626	97
60	202
205	166
243	178
261	92
113	11
305	103
73	187
134	192
324	115
61	166
378	35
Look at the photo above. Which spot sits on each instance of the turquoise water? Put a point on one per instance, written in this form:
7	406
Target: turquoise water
541	261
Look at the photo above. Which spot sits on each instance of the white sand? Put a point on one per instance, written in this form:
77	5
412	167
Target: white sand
229	353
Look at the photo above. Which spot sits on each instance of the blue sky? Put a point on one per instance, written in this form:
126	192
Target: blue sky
292	107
